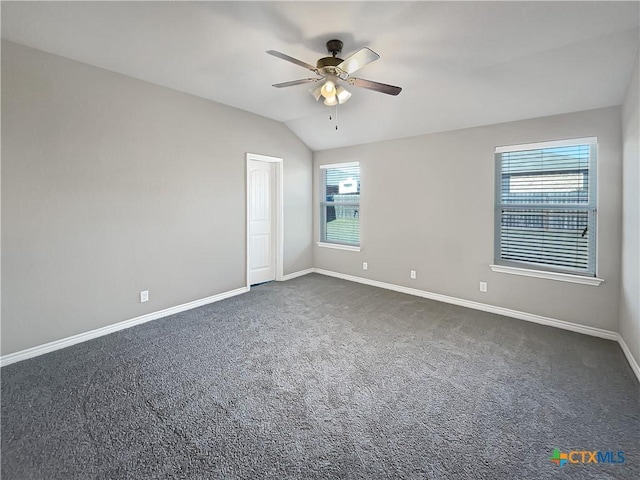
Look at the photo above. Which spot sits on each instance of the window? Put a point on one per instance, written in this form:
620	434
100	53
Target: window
340	204
546	206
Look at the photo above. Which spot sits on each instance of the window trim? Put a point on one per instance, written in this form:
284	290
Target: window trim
568	142
322	242
531	269
549	275
339	165
338	246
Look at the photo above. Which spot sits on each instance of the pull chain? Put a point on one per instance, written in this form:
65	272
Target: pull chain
336	116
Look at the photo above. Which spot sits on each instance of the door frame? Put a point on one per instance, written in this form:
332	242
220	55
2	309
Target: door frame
278	210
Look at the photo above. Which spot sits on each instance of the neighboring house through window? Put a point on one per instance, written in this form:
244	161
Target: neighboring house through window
340	205
546	206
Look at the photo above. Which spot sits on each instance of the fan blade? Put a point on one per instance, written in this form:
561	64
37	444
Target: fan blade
362	57
292	60
377	86
295	82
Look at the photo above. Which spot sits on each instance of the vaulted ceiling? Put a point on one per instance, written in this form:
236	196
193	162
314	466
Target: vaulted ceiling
461	64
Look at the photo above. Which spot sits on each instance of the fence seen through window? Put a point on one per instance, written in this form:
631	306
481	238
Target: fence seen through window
340	204
545	207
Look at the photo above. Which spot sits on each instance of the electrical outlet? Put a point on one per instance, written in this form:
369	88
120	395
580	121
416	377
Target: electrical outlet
413	274
483	286
365	265
144	296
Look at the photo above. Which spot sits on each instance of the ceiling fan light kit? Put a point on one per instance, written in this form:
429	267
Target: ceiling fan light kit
333	71
332	95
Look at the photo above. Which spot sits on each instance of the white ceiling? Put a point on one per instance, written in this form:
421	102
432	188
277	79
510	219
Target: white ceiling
460	64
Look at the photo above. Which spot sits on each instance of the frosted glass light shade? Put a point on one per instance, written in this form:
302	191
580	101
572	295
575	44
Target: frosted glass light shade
331	101
343	95
315	92
328	89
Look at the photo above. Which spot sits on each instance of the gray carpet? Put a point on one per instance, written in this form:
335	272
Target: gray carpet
322	378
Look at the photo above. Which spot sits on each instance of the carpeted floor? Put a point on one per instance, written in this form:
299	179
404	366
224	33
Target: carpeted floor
320	378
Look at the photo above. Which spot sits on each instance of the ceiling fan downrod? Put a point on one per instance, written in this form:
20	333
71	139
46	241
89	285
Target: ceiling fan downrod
334	47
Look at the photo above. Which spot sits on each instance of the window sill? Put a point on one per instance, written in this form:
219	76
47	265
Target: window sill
561	277
337	246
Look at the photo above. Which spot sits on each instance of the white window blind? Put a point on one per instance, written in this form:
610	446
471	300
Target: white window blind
546	206
340	204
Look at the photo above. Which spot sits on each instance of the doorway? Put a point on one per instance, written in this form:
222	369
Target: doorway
264	219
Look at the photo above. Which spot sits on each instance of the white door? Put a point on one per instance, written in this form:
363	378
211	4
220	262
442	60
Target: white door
262	216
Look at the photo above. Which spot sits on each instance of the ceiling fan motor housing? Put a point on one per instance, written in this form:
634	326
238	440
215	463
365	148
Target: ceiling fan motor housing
329	66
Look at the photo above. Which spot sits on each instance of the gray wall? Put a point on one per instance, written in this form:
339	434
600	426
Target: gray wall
427	203
630	290
111	185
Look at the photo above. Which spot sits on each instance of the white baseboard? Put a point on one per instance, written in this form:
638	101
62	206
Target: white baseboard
297	274
529	317
627	353
99	332
507	312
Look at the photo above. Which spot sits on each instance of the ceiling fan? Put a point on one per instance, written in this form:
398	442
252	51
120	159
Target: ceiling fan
332	72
